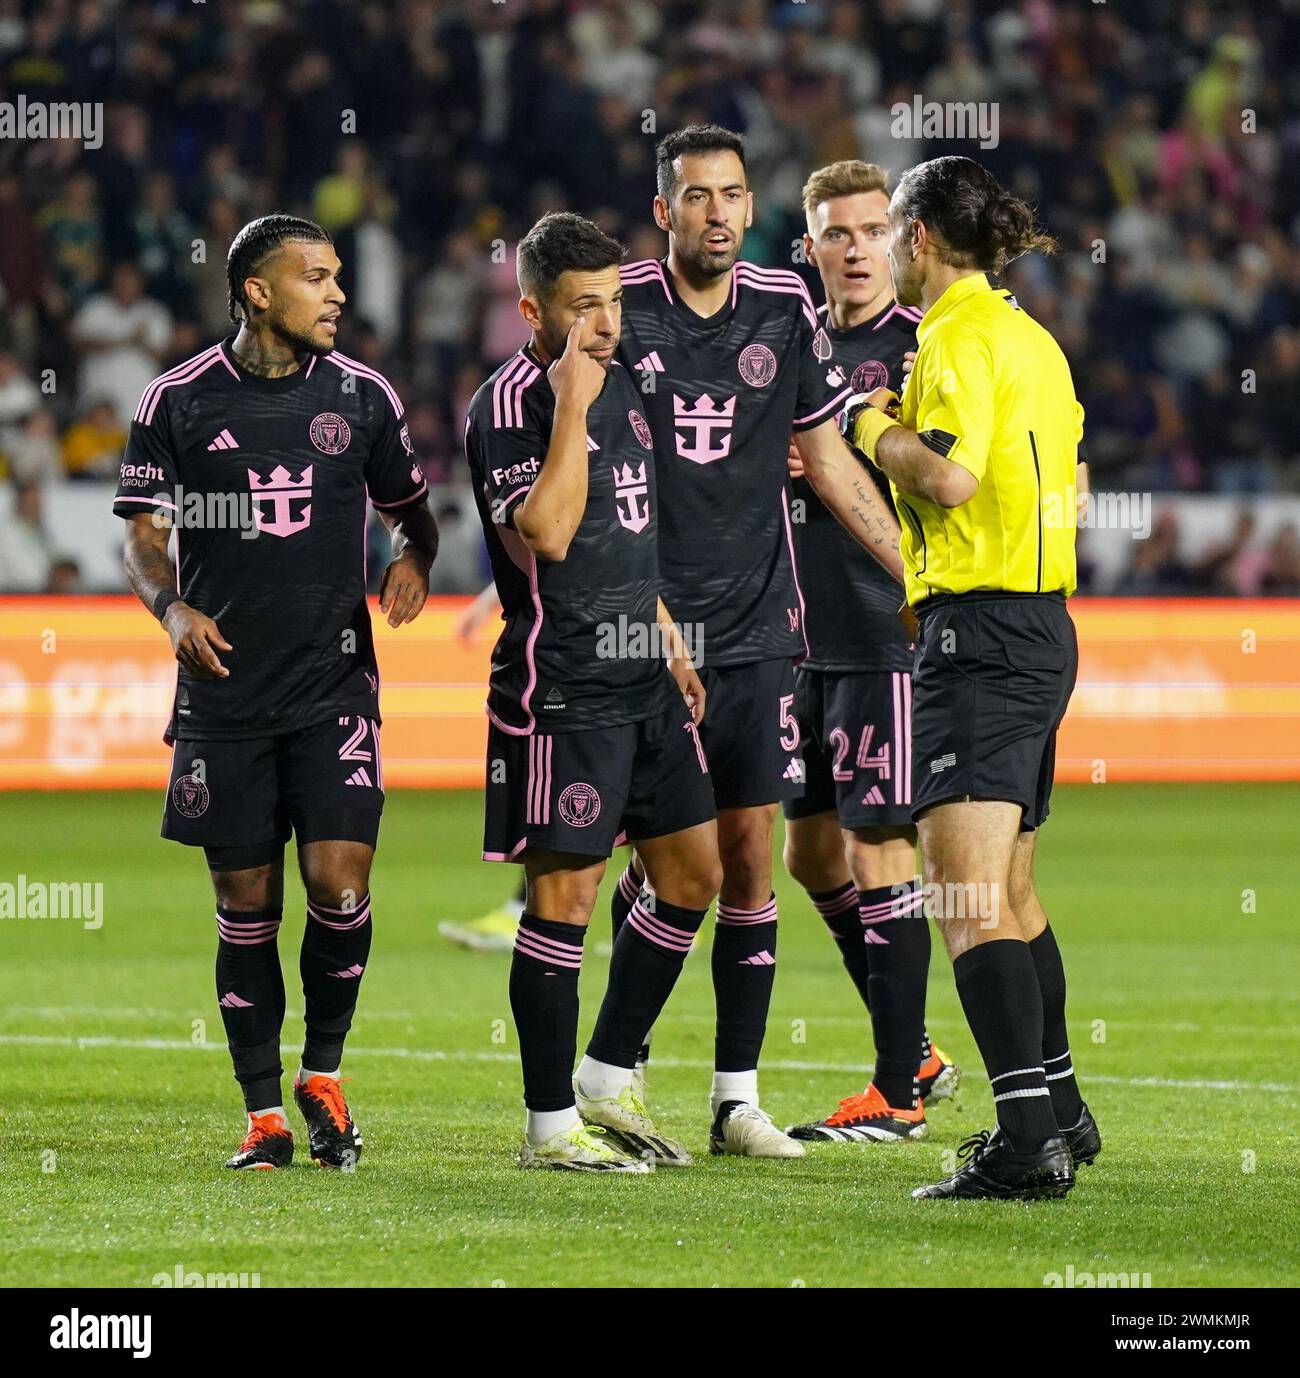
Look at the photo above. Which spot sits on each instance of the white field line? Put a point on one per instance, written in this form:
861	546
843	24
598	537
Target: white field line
693	1064
61	1012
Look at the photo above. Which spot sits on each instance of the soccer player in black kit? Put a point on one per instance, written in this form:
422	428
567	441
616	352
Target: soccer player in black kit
731	360
849	839
594	730
262	453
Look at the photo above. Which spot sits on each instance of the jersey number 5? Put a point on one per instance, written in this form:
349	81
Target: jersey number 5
789	724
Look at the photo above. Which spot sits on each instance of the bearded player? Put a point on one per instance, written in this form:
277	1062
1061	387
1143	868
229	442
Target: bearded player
730	360
263	452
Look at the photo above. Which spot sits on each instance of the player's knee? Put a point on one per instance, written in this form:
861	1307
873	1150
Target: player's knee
699	883
879	857
804	865
338	887
251	890
745	838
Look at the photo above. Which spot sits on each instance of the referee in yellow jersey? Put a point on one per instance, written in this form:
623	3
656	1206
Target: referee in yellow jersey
982	457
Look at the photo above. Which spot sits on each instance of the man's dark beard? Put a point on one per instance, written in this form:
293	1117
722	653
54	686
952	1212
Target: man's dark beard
301	343
704	262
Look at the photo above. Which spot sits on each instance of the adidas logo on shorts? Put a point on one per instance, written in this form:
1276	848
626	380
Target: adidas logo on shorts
949	758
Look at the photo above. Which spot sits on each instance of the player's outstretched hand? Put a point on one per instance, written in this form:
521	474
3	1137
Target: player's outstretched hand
909	360
404	589
575	376
196	639
911	626
885	399
688	681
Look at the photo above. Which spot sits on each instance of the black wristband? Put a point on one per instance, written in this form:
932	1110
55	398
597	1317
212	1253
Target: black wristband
164	601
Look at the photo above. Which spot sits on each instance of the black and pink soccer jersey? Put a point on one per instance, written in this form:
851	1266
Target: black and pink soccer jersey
723	395
577	650
852	611
266	481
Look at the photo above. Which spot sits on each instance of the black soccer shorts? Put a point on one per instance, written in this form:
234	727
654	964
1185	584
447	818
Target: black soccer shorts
582	792
241	800
994	673
856	727
751	734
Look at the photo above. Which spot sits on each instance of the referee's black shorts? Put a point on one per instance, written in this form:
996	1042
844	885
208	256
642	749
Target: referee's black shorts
994	673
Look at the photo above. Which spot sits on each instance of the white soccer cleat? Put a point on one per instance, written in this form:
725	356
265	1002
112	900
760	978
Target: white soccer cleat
749	1132
580	1149
625	1117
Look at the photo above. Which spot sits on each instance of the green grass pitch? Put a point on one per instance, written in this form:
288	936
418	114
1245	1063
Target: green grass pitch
117	1114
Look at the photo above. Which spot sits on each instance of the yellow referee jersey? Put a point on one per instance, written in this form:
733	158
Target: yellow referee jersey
991	391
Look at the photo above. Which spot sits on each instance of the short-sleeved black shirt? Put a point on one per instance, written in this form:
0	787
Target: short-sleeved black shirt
723	395
267	481
578	650
852	603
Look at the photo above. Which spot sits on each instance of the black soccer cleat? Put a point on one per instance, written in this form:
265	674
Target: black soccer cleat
335	1141
267	1145
1083	1139
994	1171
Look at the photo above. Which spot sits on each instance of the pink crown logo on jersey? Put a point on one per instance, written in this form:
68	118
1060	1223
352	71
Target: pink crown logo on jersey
703	422
630	484
274	499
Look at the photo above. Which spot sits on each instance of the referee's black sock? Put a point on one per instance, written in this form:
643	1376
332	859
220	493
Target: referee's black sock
839	911
544	1001
648	956
744	967
250	991
998	987
1066	1101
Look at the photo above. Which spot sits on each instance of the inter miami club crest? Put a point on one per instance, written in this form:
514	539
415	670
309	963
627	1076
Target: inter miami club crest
190	796
641	429
757	365
869	376
579	805
330	434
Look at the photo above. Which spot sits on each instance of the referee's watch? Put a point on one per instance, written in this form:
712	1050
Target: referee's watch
862	424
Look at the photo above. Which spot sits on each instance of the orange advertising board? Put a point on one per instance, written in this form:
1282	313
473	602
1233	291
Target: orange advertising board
1168	690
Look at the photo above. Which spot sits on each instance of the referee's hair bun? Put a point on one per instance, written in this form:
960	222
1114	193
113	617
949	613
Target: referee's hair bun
1006	229
974	221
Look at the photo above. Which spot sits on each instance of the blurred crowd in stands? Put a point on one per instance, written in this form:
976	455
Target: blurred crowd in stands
1160	139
